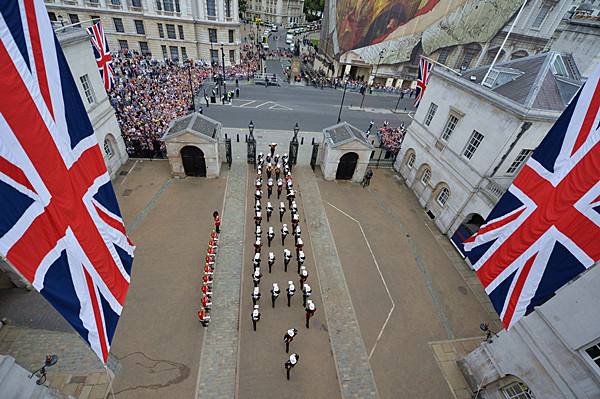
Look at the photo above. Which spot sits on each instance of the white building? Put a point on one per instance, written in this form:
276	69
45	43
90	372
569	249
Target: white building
80	57
280	12
467	141
176	29
554	352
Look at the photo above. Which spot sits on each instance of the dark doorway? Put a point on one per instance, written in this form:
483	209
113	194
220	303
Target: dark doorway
193	161
468	227
345	169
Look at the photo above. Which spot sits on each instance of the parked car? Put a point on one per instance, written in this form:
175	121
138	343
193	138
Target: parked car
274	28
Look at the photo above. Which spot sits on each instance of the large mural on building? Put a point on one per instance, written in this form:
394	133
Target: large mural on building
365	27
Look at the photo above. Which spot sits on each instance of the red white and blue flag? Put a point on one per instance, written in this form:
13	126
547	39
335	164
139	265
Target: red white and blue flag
545	230
102	53
60	224
425	67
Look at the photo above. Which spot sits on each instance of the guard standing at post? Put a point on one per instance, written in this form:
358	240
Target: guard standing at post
281	211
274	293
287	256
291	290
306	293
255	295
255	316
289	337
284	233
310	311
290	363
271	260
270	235
269	211
256	276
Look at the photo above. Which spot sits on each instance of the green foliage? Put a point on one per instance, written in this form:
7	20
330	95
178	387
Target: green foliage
242	5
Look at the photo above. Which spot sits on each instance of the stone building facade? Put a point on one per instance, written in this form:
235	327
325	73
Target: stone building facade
173	29
467	141
280	12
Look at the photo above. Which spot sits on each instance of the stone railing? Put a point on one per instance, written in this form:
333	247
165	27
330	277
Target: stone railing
493	190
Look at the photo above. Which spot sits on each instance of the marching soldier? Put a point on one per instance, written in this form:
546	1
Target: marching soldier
279	187
289	337
291	290
209	260
257	206
297	232
270	235
303	275
257	246
258	182
255	295
287	256
300	259
217	219
276	159
204	317
306	293
269	187
257	233
284	233
274	293
256	260
256	277
273	146
255	316
277	170
258	218
310	311
214	236
260	159
269	210
299	246
257	194
290	363
285	158
206	302
208	270
271	260
269	171
206	291
207	280
281	211
291	196
295	220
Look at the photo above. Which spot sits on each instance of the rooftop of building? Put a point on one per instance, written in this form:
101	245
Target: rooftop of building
343	133
195	123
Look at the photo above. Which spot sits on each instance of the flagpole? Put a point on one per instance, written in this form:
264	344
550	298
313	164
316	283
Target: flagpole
504	42
75	24
442	65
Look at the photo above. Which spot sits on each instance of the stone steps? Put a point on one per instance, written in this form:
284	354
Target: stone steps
16	384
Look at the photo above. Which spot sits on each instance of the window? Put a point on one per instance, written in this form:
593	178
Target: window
594	353
95	19
174	53
161	31
443	196
177	8
519	160
136	3
443	57
119	25
212	35
474	142
517	390
180	27
411	160
52	16
123	45
214	57
430	113
164	52
450	126
87	89
144	48
158	5
108	148
139	26
231	32
74	18
211	10
171	31
184	53
115	2
228	8
559	66
232	56
168	5
491	78
537	22
426	176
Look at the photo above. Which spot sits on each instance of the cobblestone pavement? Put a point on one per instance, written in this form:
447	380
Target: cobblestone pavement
432	300
218	362
262	353
158	339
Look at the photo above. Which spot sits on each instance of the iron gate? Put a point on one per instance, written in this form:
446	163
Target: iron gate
228	151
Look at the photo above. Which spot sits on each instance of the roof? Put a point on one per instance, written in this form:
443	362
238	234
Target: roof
343	133
534	82
196	124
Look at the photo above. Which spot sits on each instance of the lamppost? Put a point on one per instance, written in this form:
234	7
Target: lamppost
378	63
251	144
294	146
343	96
191	85
223	68
212	60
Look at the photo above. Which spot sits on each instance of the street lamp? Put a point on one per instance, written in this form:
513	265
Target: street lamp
378	63
296	130
212	60
251	130
251	142
223	77
343	96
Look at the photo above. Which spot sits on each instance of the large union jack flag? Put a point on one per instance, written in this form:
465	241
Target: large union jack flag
425	68
545	230
102	53
60	223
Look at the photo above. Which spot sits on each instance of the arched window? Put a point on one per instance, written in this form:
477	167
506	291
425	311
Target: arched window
443	196
518	54
108	148
426	176
411	160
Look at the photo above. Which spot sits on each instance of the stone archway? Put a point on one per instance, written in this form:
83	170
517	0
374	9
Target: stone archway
346	166
193	161
469	226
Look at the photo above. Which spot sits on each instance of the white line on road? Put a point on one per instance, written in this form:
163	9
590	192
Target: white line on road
129	171
380	275
247	103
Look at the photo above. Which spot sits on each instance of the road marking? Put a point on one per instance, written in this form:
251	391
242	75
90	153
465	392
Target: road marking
281	107
380	275
260	105
129	171
248	102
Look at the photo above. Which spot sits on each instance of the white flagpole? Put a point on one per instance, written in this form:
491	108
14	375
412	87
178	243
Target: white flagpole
504	42
442	65
75	24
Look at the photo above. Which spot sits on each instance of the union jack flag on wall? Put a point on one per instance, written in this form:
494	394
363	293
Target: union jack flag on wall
545	230
102	53
425	68
60	223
